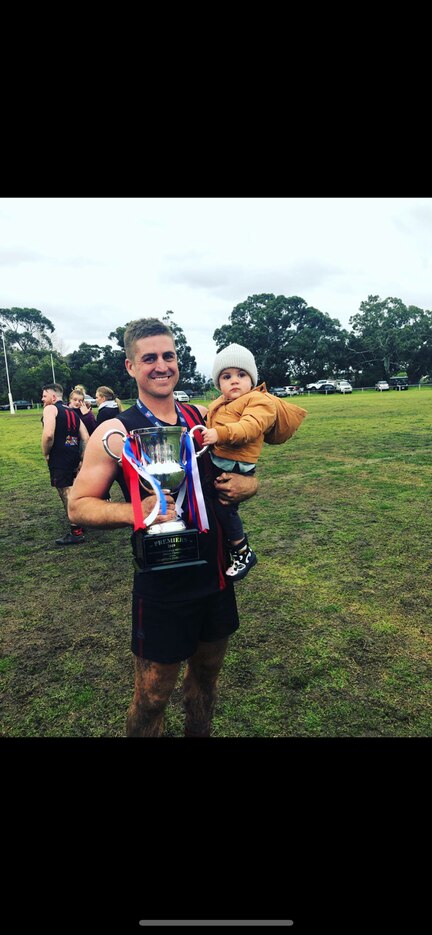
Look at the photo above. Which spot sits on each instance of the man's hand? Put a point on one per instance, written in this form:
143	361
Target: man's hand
233	488
148	505
210	436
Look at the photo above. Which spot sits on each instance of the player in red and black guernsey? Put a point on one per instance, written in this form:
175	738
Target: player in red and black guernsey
180	614
64	437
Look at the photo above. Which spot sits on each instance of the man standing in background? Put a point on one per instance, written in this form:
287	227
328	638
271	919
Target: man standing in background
64	437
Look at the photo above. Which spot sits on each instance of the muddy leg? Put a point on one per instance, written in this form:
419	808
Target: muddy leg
63	493
200	687
154	683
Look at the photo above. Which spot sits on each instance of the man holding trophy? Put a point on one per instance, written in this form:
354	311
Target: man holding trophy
183	606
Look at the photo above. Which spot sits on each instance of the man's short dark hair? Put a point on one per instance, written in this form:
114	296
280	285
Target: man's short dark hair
143	328
57	387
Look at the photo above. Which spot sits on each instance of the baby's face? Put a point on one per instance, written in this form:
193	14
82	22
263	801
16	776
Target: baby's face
234	382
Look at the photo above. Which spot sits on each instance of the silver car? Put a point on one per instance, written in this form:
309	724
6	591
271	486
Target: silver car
382	385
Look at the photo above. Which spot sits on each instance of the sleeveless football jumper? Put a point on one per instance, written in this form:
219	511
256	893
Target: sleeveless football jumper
64	456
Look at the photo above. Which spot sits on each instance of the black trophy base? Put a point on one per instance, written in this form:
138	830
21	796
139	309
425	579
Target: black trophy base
166	551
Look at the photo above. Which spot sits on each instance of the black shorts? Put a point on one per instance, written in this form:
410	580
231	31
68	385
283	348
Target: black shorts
62	477
171	632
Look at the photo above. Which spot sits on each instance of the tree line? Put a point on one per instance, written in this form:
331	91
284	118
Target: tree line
292	343
32	359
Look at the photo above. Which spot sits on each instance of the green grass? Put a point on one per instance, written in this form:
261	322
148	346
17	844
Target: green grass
335	637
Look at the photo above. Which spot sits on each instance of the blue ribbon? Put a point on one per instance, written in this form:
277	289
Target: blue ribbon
186	446
154	421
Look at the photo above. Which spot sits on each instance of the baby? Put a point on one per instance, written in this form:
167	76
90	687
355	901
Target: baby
236	424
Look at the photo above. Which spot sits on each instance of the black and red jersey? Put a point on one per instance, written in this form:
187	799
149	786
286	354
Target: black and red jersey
65	452
184	584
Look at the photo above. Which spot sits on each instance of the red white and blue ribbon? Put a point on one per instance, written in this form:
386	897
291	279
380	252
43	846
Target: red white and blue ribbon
133	468
197	513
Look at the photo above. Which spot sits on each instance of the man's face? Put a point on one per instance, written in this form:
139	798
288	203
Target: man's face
48	397
154	365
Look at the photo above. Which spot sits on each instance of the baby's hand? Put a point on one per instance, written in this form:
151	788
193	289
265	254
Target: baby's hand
210	436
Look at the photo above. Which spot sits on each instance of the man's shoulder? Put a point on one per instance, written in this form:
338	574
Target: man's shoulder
129	417
186	408
50	409
203	410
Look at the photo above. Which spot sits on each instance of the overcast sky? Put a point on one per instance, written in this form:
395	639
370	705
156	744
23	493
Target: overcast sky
91	264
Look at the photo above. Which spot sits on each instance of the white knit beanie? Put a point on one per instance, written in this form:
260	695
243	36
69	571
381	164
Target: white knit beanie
235	356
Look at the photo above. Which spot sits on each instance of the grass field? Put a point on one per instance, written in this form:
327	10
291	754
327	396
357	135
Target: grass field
335	637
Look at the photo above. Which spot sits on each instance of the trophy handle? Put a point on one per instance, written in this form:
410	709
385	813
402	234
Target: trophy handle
106	446
191	431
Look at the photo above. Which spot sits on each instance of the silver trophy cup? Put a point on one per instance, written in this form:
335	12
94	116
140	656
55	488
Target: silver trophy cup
173	544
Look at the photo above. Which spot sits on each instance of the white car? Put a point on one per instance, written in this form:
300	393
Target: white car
292	390
181	396
90	400
343	386
314	387
382	385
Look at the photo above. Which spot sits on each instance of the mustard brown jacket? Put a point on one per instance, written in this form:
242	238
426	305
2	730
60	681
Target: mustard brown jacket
241	425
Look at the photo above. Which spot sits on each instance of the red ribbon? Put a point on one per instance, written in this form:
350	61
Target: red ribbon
132	481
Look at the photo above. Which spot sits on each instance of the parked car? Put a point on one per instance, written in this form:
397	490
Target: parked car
326	388
314	387
278	390
344	386
90	400
23	404
18	404
293	390
382	385
399	383
181	396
